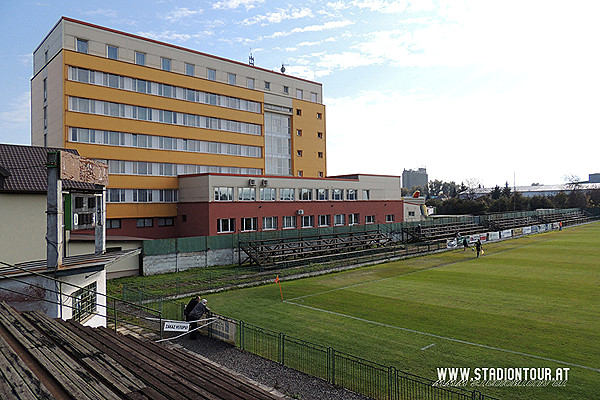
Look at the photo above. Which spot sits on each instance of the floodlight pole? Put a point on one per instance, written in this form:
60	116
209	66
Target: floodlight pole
54	213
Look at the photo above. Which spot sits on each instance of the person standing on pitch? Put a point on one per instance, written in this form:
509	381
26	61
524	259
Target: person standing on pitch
478	248
465	244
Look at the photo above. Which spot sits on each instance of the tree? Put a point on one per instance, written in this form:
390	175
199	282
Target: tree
506	190
496	193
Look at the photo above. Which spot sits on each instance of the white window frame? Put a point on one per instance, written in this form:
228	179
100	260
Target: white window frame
322	194
354	219
108	48
289	222
166	64
85	45
189	66
227	223
339	219
305	195
246	194
369	219
223	191
308	221
389	218
140	56
325	220
287	194
268	194
249	224
269	223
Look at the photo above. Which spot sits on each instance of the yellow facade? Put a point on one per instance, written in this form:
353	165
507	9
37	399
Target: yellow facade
52	62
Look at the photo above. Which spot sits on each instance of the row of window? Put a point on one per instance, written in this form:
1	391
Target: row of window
100	107
223	193
227	225
111	138
142	196
112	52
158	89
166	169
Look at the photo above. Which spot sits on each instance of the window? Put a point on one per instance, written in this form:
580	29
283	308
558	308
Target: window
82	46
249	224
320	135
313	97
299	94
369	219
337	194
299	153
46	57
140	58
411	213
269	223
320	174
165	63
319	116
286	90
320	154
339	219
91	202
211	74
78	202
223	194
267	194
366	195
190	69
144	222
305	194
165	222
250	83
351	194
286	194
45	89
84	302
45	117
267	85
246	194
308	221
231	79
298	132
112	52
322	194
113	224
289	222
298	111
324	220
300	173
353	219
389	218
225	225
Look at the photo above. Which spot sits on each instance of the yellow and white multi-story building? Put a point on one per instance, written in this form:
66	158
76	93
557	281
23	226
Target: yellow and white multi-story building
154	111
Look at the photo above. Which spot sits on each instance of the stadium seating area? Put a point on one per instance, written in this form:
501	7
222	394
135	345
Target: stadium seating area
42	358
273	253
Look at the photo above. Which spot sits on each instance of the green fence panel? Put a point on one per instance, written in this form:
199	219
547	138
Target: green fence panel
191	244
221	242
158	247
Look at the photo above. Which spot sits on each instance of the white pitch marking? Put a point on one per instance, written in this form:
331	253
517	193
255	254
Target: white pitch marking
485	346
426	347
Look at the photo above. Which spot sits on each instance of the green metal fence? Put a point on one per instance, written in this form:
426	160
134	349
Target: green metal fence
354	373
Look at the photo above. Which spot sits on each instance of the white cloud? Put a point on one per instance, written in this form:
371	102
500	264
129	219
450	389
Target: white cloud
101	11
233	4
278	16
313	28
17	113
180	13
175	36
382	5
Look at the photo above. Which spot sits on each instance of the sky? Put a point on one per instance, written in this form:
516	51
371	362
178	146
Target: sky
476	91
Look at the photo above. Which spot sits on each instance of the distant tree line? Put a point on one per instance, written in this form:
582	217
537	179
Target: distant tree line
444	196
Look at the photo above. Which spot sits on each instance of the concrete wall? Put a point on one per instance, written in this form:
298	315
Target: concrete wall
183	261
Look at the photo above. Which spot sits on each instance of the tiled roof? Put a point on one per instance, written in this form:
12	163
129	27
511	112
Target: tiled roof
26	169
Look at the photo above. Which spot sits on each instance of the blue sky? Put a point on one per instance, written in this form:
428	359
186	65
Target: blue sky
478	91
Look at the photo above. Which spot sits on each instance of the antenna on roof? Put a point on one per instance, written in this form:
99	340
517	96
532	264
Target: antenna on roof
282	68
251	58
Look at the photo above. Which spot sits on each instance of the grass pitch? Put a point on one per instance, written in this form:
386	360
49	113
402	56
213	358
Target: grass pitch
528	302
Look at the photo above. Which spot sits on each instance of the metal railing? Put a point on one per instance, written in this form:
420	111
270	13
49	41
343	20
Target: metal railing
114	311
338	368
